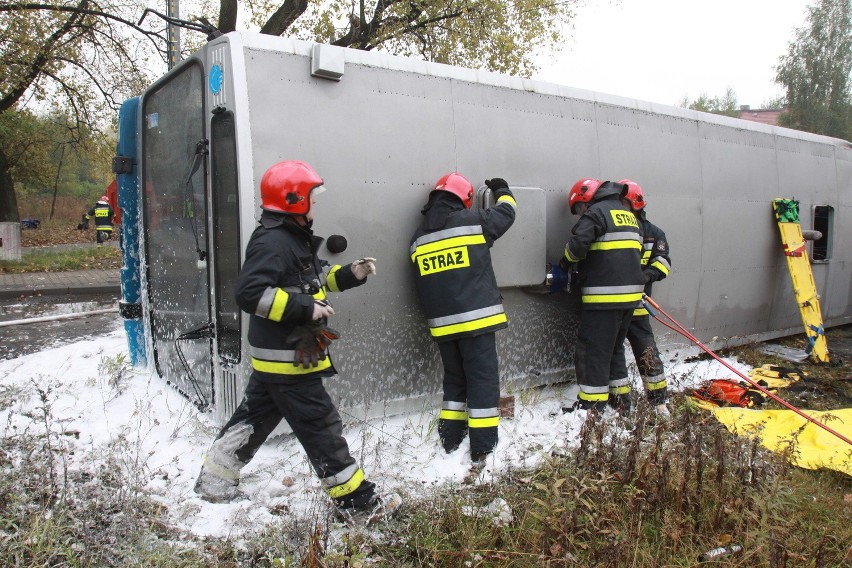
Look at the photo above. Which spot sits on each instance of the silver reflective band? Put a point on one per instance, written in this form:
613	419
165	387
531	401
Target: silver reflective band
614	289
341	477
446	234
466	316
594	390
483	412
265	303
625	236
619	383
452	405
283	355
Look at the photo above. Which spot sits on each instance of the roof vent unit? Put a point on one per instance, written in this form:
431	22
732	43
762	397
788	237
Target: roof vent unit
327	61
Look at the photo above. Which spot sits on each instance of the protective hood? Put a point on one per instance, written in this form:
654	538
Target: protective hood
438	208
609	190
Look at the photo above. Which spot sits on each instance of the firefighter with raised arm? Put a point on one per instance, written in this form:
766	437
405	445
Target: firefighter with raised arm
606	245
284	286
103	214
451	260
656	265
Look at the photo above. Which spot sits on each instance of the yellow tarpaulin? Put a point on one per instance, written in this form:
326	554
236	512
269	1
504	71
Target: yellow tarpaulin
783	430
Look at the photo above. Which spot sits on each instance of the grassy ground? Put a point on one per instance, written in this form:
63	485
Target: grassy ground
56	233
61	232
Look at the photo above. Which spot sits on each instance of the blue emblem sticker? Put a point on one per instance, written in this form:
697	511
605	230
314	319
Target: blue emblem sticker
214	80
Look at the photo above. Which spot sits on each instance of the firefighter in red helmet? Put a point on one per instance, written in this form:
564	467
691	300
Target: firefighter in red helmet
451	261
656	265
605	249
103	214
283	285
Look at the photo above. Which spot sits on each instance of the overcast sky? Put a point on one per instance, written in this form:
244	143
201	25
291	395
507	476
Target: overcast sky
661	50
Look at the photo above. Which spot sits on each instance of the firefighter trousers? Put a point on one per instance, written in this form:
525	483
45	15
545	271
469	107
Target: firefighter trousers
644	346
599	359
311	414
471	394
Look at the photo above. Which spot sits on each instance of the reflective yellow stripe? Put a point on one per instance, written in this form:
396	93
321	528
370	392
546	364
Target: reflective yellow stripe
661	267
510	200
656	386
612	245
611	298
331	280
593	397
354	482
640	312
570	257
619	390
276	312
471	325
483	422
278	368
321	295
453	415
448	243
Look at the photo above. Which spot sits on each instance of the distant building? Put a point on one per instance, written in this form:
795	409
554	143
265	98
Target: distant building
763	115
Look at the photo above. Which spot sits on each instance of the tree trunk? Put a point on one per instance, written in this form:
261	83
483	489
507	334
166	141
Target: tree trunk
227	16
287	13
8	202
56	183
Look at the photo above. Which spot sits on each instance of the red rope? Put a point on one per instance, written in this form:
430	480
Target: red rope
653	307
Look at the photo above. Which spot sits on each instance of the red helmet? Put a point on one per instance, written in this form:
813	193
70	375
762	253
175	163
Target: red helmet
286	187
458	185
104	199
634	194
582	192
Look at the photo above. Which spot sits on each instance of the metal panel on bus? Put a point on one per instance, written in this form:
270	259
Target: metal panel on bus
386	138
517	255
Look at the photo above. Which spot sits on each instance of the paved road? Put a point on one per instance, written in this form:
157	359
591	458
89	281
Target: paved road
41	294
24	338
59	283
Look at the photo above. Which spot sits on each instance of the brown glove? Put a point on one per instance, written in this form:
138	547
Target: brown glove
310	343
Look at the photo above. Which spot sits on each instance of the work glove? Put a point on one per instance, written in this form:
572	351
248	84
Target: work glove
499	187
363	267
649	276
310	342
321	310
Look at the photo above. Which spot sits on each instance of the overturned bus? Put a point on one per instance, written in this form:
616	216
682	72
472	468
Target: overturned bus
381	130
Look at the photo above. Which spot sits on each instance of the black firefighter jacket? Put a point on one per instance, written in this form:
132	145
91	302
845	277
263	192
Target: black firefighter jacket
451	257
103	214
279	281
608	241
656	262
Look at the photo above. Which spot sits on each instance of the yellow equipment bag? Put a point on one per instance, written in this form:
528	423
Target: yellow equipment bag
805	445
